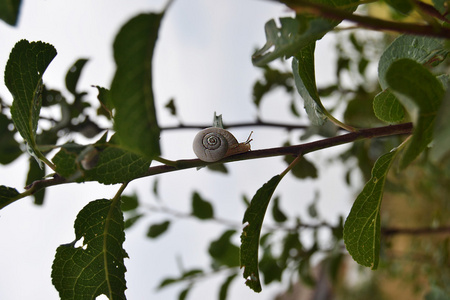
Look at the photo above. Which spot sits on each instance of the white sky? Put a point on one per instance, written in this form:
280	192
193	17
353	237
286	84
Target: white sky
203	61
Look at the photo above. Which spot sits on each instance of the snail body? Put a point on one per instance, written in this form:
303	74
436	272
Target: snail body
214	143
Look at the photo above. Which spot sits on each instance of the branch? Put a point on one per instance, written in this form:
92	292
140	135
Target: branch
302	6
415	231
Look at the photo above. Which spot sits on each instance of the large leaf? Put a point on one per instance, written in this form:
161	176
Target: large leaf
421	93
131	90
362	227
253	218
305	81
296	33
9	11
23	77
97	267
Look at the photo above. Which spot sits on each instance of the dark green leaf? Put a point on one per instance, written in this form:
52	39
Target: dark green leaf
303	169
304	270
359	112
171	107
253	218
7	194
131	90
273	78
224	252
221	168
23	77
362	227
9	11
129	202
421	94
9	148
304	77
424	50
183	294
97	267
132	220
156	230
201	208
387	107
270	268
36	173
277	213
73	75
224	287
402	6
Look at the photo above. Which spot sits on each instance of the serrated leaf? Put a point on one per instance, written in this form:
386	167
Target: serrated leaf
201	208
97	267
253	217
156	230
224	287
387	108
424	50
294	34
223	251
305	81
9	11
23	77
7	194
131	90
421	94
362	226
73	75
9	148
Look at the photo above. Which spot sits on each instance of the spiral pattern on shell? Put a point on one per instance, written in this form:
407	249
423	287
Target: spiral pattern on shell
211	144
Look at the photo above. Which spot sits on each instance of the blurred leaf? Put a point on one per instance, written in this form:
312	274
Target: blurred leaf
189	275
223	292
273	78
277	213
132	220
303	169
7	194
304	77
129	202
73	75
270	268
156	230
253	218
304	270
401	6
23	77
51	97
131	90
362	227
96	267
36	173
183	294
294	34
421	94
424	50
201	208
224	252
9	11
387	107
328	129
312	208
9	148
171	107
359	112
291	246
442	7
221	168
440	152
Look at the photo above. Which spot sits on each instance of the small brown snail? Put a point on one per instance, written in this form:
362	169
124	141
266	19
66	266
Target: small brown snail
214	143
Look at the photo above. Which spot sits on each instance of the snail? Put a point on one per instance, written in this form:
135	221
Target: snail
214	143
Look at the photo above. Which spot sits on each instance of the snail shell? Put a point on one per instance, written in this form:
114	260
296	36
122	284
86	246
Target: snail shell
214	143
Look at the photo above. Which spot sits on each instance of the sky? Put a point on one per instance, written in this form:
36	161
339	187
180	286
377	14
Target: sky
203	61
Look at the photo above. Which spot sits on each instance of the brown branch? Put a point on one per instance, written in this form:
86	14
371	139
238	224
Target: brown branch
415	231
328	12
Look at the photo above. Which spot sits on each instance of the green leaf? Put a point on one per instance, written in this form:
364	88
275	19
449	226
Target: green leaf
253	218
9	11
440	153
387	108
129	202
23	77
303	169
294	34
278	215
9	148
421	93
201	208
224	252
224	287
171	107
304	77
7	195
156	230
424	50
130	221
270	267
221	168
131	90
97	267
402	6
362	226
73	75
36	173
